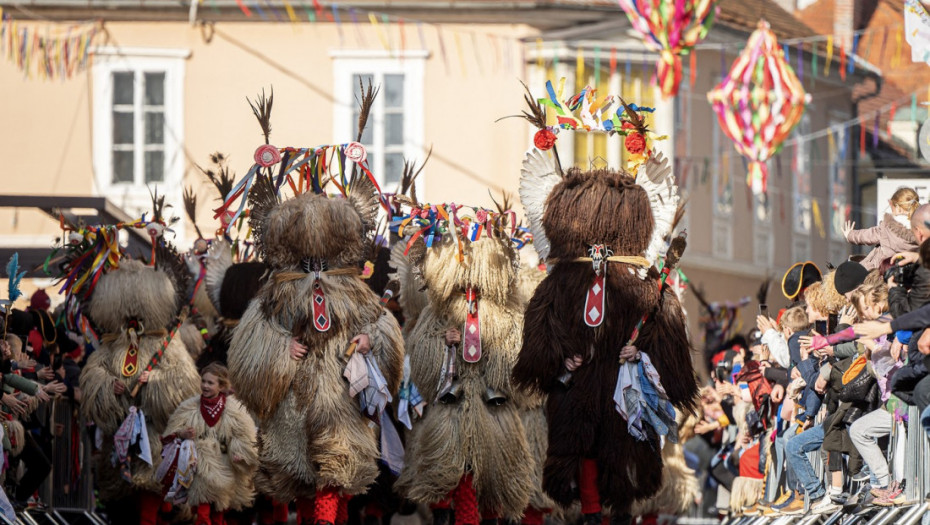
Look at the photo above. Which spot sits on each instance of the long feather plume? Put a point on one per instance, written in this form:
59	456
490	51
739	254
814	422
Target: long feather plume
408	179
536	116
262	110
190	208
221	178
15	276
365	104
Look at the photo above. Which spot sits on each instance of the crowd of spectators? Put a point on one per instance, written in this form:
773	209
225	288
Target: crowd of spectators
798	414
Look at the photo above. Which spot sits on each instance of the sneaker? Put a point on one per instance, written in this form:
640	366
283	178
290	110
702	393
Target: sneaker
861	476
783	498
824	505
753	510
840	499
892	498
883	491
795	507
787	501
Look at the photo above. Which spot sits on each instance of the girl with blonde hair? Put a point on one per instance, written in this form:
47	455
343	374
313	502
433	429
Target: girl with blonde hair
892	235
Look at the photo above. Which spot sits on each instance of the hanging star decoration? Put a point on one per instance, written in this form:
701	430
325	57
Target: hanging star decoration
672	29
759	102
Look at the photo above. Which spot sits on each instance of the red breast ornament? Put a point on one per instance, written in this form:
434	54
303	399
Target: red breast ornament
471	349
320	314
595	300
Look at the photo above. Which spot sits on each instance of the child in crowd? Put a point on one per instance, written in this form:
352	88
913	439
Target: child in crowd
223	436
892	235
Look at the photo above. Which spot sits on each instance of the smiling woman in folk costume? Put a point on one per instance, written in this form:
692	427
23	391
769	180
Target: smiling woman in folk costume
140	373
223	438
468	454
290	351
600	325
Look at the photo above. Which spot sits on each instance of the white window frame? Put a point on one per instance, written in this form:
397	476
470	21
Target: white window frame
134	197
835	230
411	64
802	155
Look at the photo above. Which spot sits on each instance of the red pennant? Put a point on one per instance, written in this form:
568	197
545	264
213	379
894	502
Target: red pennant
471	349
594	303
131	361
320	314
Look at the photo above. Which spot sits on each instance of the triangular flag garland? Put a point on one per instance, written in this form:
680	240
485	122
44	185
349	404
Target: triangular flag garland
759	102
46	52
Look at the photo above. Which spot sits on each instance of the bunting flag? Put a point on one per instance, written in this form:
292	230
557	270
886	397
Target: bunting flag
759	102
671	29
47	53
917	30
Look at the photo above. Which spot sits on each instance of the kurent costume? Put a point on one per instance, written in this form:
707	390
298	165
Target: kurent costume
135	307
223	430
468	453
533	414
315	443
600	233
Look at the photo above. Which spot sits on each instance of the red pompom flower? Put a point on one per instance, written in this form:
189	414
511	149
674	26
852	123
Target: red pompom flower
267	155
635	143
544	139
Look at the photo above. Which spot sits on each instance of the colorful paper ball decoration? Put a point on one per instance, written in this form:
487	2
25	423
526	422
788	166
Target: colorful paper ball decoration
672	28
759	102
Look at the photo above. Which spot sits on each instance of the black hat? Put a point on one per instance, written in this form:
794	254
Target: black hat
849	276
798	278
755	337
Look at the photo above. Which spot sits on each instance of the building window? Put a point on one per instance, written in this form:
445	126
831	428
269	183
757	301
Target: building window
138	124
722	182
802	177
138	127
395	126
839	182
592	150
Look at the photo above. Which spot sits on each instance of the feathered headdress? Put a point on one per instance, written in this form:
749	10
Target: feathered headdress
541	173
303	169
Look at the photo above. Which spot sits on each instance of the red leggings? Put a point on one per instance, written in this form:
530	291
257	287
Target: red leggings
587	486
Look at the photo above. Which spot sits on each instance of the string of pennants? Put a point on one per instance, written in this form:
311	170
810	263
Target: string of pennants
49	52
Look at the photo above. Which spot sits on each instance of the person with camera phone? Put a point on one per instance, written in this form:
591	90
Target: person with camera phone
908	280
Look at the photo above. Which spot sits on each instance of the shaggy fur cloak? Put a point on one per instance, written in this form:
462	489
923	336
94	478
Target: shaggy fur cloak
586	208
312	434
218	480
469	434
139	292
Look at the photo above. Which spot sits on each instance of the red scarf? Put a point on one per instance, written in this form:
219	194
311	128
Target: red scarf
212	409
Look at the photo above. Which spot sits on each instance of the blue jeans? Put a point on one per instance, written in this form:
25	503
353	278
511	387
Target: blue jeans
791	481
796	449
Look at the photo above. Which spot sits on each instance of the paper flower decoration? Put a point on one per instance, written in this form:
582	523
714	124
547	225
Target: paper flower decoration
671	28
759	102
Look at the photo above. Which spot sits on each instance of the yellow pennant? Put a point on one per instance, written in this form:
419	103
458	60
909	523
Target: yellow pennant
374	23
826	67
818	219
290	12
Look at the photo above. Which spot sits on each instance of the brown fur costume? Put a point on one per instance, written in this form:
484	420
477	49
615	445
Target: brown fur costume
312	434
468	434
586	208
146	294
219	480
532	404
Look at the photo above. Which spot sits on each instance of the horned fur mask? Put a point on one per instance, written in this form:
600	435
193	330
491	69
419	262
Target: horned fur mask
489	266
313	228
